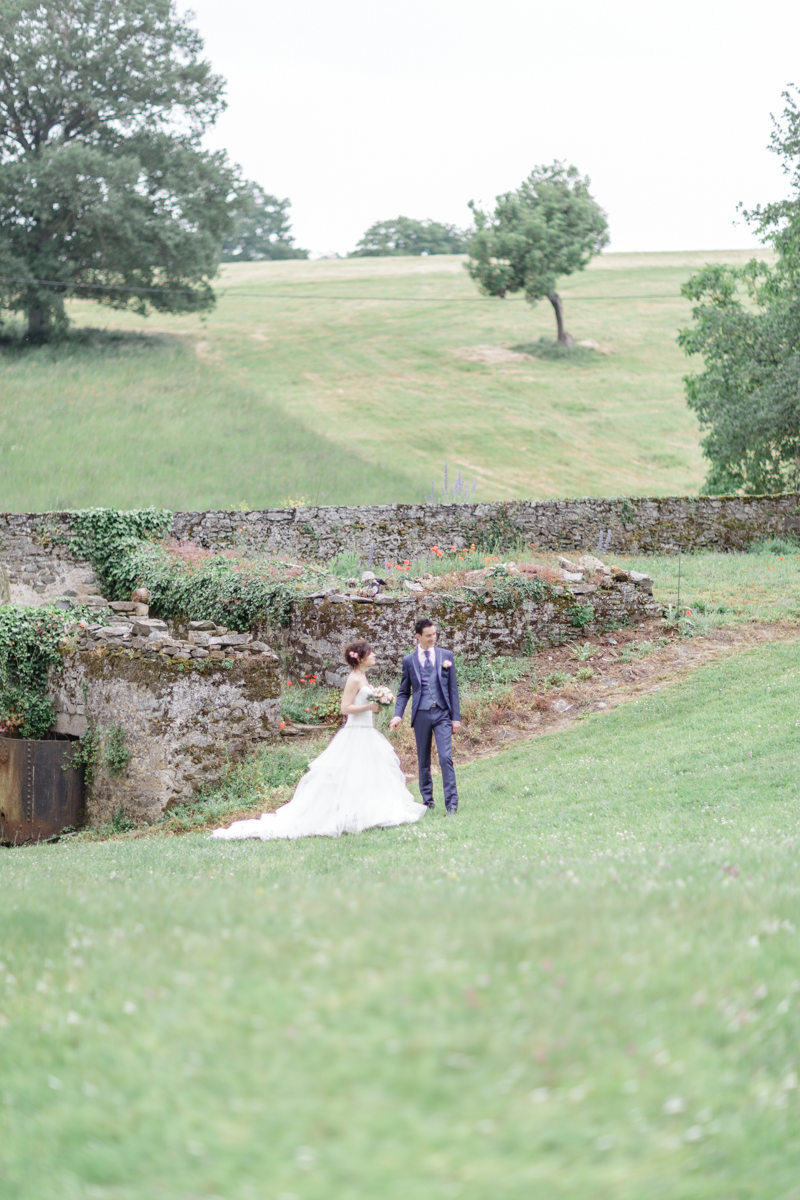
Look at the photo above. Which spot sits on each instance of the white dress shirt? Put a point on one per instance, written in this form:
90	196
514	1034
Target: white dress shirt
421	656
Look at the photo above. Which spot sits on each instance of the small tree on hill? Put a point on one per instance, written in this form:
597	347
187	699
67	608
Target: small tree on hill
549	227
104	189
747	327
262	229
406	236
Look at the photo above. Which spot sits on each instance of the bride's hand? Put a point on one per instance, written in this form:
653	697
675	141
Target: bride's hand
376	708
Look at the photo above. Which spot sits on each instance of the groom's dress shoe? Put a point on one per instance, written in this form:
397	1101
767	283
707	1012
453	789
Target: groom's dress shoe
429	804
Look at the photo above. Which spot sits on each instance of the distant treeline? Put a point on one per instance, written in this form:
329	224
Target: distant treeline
406	236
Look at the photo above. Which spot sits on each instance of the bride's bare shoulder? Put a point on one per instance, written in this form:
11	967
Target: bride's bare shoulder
354	680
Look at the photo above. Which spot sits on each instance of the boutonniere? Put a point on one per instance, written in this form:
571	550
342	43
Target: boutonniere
446	664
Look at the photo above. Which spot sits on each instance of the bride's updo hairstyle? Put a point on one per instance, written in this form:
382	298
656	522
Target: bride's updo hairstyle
356	652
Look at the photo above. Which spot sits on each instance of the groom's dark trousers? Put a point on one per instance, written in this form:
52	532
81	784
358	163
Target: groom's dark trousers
434	707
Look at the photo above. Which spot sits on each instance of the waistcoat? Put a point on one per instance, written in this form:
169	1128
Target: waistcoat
430	691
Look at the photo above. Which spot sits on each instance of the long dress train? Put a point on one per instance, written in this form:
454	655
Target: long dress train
355	784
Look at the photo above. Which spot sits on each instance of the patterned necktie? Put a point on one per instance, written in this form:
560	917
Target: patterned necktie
428	664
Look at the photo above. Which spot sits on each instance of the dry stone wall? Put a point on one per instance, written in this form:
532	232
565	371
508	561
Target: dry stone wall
633	525
34	553
184	723
320	628
37	561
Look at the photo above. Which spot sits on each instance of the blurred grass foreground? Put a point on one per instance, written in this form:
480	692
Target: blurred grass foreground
585	985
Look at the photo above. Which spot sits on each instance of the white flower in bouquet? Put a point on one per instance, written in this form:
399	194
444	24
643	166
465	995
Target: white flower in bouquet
382	695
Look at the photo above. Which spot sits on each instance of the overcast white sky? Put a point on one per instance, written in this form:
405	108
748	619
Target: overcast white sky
361	110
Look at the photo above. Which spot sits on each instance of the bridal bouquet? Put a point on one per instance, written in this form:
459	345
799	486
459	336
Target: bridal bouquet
382	695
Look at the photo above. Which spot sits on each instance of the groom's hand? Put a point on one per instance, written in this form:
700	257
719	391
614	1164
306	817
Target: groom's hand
456	726
395	722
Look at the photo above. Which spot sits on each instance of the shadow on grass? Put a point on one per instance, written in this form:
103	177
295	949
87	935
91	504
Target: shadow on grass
86	341
552	351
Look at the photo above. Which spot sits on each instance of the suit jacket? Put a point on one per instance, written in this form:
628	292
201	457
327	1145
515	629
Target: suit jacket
411	684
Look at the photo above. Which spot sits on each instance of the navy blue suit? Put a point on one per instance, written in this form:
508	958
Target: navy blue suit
434	707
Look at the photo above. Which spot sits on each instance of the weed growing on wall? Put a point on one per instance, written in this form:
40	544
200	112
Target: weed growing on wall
511	591
116	754
96	749
582	615
86	753
311	705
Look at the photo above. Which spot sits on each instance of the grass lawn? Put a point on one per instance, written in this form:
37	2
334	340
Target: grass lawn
727	589
585	986
347	382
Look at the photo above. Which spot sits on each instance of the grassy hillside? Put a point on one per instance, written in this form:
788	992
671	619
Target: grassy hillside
353	381
585	985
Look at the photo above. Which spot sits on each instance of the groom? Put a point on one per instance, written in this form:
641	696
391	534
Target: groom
429	677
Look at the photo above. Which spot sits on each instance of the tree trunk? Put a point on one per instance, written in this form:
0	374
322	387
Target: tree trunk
38	323
563	336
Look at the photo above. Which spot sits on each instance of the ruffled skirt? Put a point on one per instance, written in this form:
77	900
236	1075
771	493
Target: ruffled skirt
355	784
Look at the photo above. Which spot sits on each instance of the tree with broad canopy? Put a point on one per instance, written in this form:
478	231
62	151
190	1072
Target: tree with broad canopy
549	227
747	328
105	192
262	229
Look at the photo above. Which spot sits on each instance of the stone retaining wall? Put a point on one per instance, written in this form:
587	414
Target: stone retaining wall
320	629
183	724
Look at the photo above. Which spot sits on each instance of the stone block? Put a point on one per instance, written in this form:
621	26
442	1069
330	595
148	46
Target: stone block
165	709
146	626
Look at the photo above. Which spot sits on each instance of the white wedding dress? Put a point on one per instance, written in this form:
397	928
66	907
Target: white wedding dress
355	784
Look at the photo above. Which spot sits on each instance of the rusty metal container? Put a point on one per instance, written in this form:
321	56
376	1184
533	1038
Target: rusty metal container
37	797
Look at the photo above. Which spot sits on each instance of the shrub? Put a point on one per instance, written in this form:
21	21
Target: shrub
787	545
311	705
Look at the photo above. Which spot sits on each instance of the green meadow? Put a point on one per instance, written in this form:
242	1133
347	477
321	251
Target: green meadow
586	985
353	382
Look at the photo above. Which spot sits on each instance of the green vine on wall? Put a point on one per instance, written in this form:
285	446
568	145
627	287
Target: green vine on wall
217	588
29	641
109	539
127	550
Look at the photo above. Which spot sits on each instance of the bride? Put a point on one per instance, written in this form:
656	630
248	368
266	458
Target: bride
355	784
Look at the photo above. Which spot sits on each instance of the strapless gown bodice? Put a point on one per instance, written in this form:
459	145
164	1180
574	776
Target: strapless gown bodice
362	720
